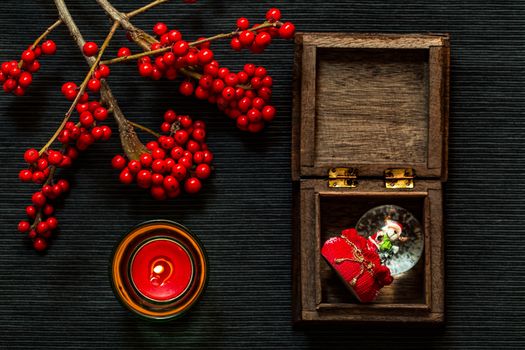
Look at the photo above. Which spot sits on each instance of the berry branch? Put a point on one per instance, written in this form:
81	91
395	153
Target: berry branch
38	40
82	88
191	44
179	158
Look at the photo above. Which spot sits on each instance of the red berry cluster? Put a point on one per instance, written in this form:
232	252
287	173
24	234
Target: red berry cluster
249	107
180	56
244	96
16	77
74	138
178	160
41	213
258	40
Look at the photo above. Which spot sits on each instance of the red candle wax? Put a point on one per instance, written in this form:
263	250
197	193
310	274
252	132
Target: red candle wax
161	269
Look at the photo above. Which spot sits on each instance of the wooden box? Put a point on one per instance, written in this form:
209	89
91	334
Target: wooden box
374	103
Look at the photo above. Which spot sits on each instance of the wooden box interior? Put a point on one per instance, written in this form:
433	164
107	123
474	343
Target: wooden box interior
341	211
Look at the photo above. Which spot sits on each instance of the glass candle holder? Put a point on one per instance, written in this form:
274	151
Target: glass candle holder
159	270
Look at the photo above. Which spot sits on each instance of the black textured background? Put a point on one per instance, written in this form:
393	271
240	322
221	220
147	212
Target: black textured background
63	300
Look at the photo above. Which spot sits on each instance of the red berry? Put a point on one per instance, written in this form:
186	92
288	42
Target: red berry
31	155
118	162
186	121
94	85
170	116
186	88
38	177
42	164
179	171
40	244
68	86
90	48
177	152
287	30
158	166
180	48
146	159
144	178
158	153
157	179
192	185
86	119
193	146
103	71
70	94
64	185
145	69
49	47
31	211
38	199
19	91
28	56
205	56
268	113
208	157
9	85
134	166
246	37
203	171
124	52
52	223
181	137
228	93
165	127
125	176
192	59
25	175
174	36
273	15
48	208
170	183
263	39
199	134
25	79
100	113
152	145
42	227
54	157
243	23
255	127
33	67
158	192
24	226
186	161
160	28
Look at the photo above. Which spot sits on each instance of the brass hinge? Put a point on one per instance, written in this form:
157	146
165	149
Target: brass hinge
342	177
399	178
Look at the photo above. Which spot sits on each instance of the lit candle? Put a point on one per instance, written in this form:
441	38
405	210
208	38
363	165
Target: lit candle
159	270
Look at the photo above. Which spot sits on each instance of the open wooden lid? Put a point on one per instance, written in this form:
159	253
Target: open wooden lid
372	102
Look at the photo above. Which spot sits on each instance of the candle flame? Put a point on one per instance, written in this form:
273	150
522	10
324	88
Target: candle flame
158	269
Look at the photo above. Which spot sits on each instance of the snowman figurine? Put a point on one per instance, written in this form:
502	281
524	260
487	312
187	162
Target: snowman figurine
384	240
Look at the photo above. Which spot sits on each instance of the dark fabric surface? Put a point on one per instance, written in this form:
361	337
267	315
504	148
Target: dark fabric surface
64	300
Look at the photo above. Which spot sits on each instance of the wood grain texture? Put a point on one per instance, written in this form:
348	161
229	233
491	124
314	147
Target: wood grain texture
64	300
370	107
